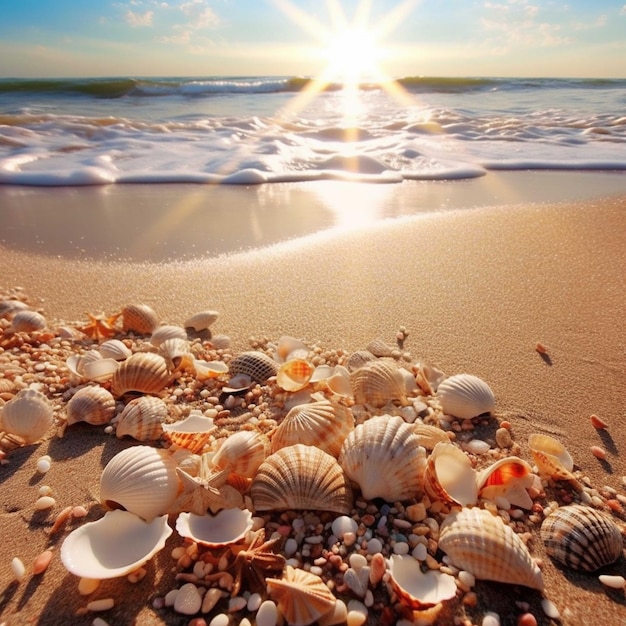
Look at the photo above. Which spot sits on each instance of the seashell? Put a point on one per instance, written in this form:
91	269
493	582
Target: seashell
114	349
509	477
215	531
91	366
429	436
323	424
378	383
243	452
139	318
202	320
552	459
143	372
322	373
142	419
380	348
302	597
428	378
581	538
28	415
291	348
192	433
294	374
358	359
8	308
209	369
178	352
166	331
140	479
94	405
384	458
465	396
26	321
255	364
485	546
113	546
301	477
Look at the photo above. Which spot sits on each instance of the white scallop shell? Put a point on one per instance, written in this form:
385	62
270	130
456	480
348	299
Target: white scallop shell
94	405
242	452
222	529
202	320
142	419
143	372
114	349
27	321
166	331
139	318
28	415
378	383
465	396
113	546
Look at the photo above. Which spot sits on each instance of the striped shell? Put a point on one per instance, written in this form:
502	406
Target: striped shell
581	538
294	374
254	364
301	477
27	322
384	458
323	424
143	372
202	320
166	331
552	459
243	452
429	436
485	546
139	318
378	383
93	405
177	351
142	419
114	349
28	415
358	359
465	396
192	433
8	308
380	348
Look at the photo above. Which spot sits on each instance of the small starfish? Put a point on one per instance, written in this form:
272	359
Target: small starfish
201	494
100	326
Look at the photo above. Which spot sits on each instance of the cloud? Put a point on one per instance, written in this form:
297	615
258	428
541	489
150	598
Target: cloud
139	19
623	10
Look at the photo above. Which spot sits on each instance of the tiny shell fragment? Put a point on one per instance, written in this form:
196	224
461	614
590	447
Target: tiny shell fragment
18	569
103	604
598	452
598	423
541	348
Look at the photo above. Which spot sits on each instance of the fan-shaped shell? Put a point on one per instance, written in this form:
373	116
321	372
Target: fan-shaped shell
202	320
139	318
8	308
27	321
142	419
226	527
140	479
94	405
581	538
192	433
114	349
552	458
178	352
380	348
143	372
358	359
243	452
322	424
384	458
255	365
378	383
294	374
429	436
302	478
465	396
113	546
484	545
28	415
167	331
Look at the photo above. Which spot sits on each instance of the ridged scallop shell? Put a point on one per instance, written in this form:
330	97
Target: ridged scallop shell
143	372
226	527
302	597
202	320
581	538
192	433
294	374
378	383
167	331
485	546
429	436
142	419
140	479
114	349
465	396
322	424
178	352
254	364
113	546
301	477
8	308
27	322
552	459
94	405
243	452
28	415
384	458
139	318
358	359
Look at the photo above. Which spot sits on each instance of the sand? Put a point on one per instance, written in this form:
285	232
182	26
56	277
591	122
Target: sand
477	272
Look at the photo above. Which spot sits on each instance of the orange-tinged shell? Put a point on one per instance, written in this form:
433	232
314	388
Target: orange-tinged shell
429	436
139	318
301	477
552	458
508	477
192	433
243	452
94	405
27	322
378	383
323	424
177	351
28	415
142	419
291	348
143	372
254	364
294	374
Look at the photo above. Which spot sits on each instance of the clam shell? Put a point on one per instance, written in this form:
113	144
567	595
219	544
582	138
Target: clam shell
113	546
91	366
294	374
301	477
508	477
323	424
209	369
94	405
140	479
465	396
581	538
167	331
28	415
139	318
215	531
485	546
202	320
114	349
192	433
142	419
254	364
384	458
429	436
378	383
143	372
243	452
27	321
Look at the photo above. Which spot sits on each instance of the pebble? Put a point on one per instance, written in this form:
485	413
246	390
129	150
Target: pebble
43	465
342	525
188	600
291	547
401	547
44	502
549	608
267	615
86	586
503	438
615	582
527	619
477	446
42	561
416	512
338	616
44	490
491	619
357	613
598	423
210	599
374	545
238	603
598	452
221	619
467	579
98	621
254	602
103	604
420	551
18	569
357	561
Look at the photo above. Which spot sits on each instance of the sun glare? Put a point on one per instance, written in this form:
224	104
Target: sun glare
353	56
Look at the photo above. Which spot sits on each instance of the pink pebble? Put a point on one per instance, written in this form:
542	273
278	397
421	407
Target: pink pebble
527	619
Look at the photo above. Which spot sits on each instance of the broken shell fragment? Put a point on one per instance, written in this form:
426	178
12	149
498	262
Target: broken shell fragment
209	369
27	416
91	366
192	433
465	396
226	527
552	459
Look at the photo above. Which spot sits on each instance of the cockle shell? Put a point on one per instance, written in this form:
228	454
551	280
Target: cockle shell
302	597
167	331
113	546
485	546
378	383
114	349
552	458
27	321
28	415
384	458
243	452
301	477
202	320
294	374
323	424
449	476
465	396
139	318
143	372
140	479
192	433
142	419
94	405
255	365
581	538
226	527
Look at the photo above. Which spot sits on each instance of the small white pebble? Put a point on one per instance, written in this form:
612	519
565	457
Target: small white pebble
44	490
374	545
267	615
357	561
291	546
467	579
615	582
104	604
491	619
357	613
420	551
43	465
211	598
188	600
221	619
98	621
477	446
18	569
402	547
549	608
108	430
254	602
238	603
170	597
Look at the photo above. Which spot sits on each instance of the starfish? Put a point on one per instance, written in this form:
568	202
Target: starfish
100	326
207	492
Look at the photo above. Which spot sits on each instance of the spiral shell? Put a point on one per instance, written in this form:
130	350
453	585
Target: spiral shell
294	374
142	419
93	405
384	458
166	331
242	452
302	478
192	433
465	396
581	538
114	349
143	372
255	365
378	383
552	459
27	321
28	415
139	318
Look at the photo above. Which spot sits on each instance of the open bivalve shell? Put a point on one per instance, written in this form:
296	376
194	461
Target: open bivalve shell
27	416
485	546
143	372
377	383
242	452
91	366
192	433
290	348
215	531
509	478
178	352
113	546
209	369
142	419
449	476
256	365
294	374
465	396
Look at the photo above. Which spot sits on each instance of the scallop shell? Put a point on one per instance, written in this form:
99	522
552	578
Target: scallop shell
378	383
142	419
27	416
429	436
243	452
302	478
255	364
27	321
113	546
192	433
323	424
215	531
140	479
167	331
91	366
384	458
178	352
94	405
143	372
302	597
291	348
581	538
552	459
485	546
465	396
8	308
202	320
294	374
428	378
139	318
380	348
114	349
358	359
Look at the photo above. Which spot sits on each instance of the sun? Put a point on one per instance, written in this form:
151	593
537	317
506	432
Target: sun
354	56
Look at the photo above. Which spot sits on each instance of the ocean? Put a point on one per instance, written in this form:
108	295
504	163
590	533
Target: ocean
252	130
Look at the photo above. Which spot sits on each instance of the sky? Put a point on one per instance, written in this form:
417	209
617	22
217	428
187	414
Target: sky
76	38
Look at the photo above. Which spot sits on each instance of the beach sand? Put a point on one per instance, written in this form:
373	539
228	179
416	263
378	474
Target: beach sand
478	275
